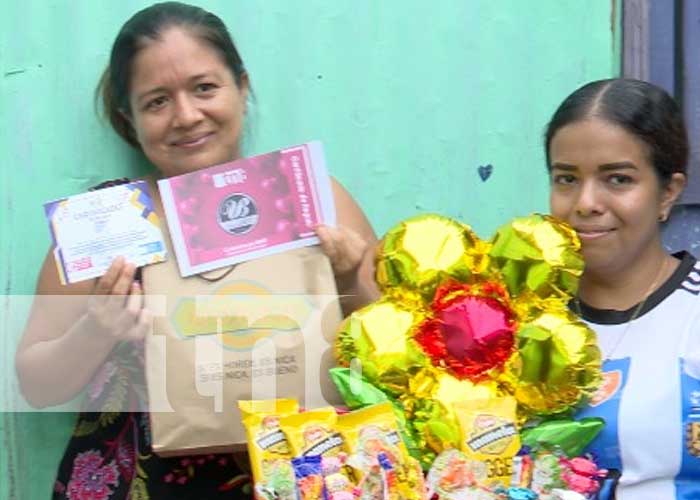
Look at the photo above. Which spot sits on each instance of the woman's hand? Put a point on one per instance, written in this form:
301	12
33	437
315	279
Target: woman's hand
351	260
349	248
346	250
72	329
116	305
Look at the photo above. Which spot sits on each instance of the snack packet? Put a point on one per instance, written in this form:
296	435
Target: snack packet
489	433
268	448
373	432
314	433
370	431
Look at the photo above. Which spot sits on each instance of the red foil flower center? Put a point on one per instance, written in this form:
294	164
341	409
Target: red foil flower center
471	332
472	324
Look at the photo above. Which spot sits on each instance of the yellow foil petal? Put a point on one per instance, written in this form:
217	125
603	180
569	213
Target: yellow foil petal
557	366
424	250
448	390
378	337
538	254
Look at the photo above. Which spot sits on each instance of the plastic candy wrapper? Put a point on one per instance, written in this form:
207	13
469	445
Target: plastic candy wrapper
390	479
339	487
558	494
313	433
267	446
489	434
582	475
373	432
307	471
521	466
463	319
454	476
337	484
554	474
382	469
355	456
278	482
546	473
520	494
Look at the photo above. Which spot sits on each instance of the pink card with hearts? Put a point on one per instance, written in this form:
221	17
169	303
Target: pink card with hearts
248	208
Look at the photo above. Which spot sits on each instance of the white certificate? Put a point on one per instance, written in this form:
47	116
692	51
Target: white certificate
90	230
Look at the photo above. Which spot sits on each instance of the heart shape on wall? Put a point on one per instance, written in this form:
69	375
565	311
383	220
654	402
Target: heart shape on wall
485	171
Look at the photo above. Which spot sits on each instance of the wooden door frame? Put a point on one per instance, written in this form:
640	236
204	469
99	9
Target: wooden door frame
654	36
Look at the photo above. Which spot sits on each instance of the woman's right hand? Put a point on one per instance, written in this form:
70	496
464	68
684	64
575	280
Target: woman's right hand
72	329
116	306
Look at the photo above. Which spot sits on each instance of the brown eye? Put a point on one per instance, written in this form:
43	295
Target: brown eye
619	179
564	179
157	103
204	88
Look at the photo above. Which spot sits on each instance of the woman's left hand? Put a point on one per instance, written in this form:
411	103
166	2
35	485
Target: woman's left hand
346	250
350	246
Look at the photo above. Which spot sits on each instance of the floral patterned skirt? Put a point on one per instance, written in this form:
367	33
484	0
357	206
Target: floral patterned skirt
109	457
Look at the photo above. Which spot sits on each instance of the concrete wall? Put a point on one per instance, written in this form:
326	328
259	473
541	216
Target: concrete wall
410	97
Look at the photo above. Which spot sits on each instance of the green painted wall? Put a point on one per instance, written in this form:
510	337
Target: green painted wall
410	97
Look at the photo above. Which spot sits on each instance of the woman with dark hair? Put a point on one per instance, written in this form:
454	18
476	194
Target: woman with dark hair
175	88
617	152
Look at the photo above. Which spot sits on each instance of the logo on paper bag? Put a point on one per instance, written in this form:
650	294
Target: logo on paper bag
237	214
245	313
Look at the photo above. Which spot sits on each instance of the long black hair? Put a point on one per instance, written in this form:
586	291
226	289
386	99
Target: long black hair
641	108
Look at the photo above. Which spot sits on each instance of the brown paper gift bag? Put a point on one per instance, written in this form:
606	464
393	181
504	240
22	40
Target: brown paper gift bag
260	330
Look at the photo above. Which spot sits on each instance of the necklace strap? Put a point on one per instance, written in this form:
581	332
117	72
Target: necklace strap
635	312
602	315
216	275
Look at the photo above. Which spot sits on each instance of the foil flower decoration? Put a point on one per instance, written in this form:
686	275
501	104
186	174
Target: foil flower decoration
461	318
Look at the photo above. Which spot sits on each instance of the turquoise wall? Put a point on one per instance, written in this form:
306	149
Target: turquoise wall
410	98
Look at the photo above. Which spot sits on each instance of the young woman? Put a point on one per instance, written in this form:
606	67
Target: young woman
175	88
617	152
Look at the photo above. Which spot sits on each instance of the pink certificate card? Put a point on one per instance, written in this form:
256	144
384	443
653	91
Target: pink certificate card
248	208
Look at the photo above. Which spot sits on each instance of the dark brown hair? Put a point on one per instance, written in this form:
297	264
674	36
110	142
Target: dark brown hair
146	25
641	108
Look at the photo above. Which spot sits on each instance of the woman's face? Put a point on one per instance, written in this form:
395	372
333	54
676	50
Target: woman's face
604	185
186	108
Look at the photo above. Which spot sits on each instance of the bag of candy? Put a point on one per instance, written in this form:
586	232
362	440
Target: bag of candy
269	453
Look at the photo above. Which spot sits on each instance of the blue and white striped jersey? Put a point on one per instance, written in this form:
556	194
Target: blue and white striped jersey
650	396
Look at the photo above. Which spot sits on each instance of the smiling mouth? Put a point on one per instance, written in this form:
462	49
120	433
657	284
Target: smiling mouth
192	142
593	234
